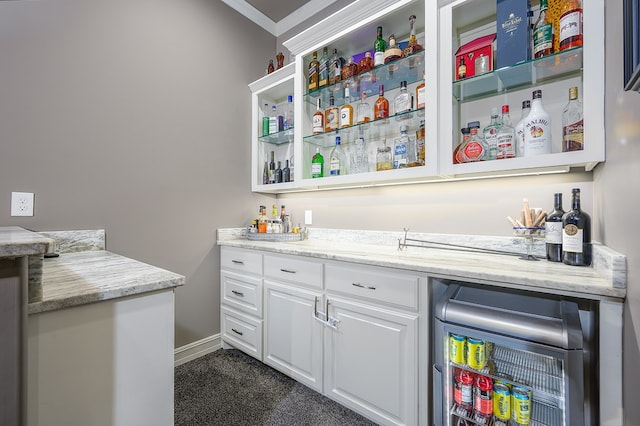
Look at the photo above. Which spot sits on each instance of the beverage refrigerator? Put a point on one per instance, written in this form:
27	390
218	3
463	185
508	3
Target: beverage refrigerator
511	358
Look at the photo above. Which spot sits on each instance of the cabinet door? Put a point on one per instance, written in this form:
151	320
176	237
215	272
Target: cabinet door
371	362
292	337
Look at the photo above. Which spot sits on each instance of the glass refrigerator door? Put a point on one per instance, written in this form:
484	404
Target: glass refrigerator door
496	380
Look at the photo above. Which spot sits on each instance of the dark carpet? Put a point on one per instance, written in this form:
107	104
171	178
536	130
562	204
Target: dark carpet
228	387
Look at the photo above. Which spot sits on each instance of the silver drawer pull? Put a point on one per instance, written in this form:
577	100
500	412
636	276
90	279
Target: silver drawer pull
237	293
370	287
287	271
238	262
236	331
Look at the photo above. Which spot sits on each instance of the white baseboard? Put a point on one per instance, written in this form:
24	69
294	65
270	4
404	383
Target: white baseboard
196	349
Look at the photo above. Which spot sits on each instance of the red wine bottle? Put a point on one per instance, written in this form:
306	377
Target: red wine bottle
553	230
576	234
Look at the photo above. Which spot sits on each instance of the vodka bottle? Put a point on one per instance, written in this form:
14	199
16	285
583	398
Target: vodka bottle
537	128
404	150
337	160
490	133
506	138
402	102
526	107
288	113
359	159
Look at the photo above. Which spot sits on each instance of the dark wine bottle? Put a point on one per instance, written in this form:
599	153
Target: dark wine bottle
279	173
576	234
553	230
286	172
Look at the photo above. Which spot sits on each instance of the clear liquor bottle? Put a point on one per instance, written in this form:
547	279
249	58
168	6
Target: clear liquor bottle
506	138
273	120
573	123
402	102
288	113
576	234
337	160
553	230
537	128
363	111
526	108
359	158
490	134
404	150
379	46
317	165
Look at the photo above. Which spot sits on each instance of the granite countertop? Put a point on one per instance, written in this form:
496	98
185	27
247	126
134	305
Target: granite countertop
606	278
90	276
16	242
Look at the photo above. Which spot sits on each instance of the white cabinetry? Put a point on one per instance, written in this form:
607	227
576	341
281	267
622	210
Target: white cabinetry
241	296
292	337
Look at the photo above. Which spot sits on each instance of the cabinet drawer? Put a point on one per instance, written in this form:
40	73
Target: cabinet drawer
241	260
374	283
294	269
242	292
242	332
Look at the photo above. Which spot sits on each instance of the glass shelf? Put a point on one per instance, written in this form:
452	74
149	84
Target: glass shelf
279	138
377	129
407	69
527	74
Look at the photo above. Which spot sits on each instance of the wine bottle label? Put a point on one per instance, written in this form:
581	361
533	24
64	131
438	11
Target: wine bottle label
553	232
572	239
573	136
570	25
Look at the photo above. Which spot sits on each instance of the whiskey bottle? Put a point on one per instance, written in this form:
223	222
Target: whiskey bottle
576	234
381	106
286	172
506	138
553	230
323	69
537	128
571	25
542	33
363	111
490	133
331	116
318	119
421	92
412	44
572	123
366	62
379	46
526	108
346	111
462	69
392	52
349	70
335	67
337	160
420	144
402	102
314	70
317	165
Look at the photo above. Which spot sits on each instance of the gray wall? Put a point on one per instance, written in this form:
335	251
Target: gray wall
131	115
617	185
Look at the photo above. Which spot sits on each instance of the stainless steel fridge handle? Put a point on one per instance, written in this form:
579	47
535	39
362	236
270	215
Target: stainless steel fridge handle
438	391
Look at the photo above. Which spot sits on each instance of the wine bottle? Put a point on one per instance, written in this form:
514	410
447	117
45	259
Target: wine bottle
576	234
553	230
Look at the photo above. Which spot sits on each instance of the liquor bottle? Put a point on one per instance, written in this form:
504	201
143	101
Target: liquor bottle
404	150
337	160
270	67
537	128
276	223
576	234
462	69
420	144
571	25
412	44
272	169
573	123
286	172
379	46
542	33
381	106
265	173
273	120
335	67
506	138
392	52
457	152
323	69
490	134
318	119
288	113
402	102
317	165
262	220
526	108
475	148
366	62
265	120
421	92
349	70
363	111
346	111
331	116
359	159
314	70
384	158
553	230
279	173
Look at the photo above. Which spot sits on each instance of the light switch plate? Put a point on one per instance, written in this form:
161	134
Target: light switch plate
308	217
22	203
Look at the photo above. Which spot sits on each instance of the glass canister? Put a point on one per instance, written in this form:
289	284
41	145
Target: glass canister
384	158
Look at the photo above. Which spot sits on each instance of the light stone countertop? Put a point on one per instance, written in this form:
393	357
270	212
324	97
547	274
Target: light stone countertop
84	277
606	279
17	242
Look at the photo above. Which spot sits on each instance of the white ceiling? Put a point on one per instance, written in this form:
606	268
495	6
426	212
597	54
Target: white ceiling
278	16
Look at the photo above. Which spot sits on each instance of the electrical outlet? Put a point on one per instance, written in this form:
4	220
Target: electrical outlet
308	217
22	203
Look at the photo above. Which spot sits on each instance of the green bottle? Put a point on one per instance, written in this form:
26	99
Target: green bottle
379	46
317	165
